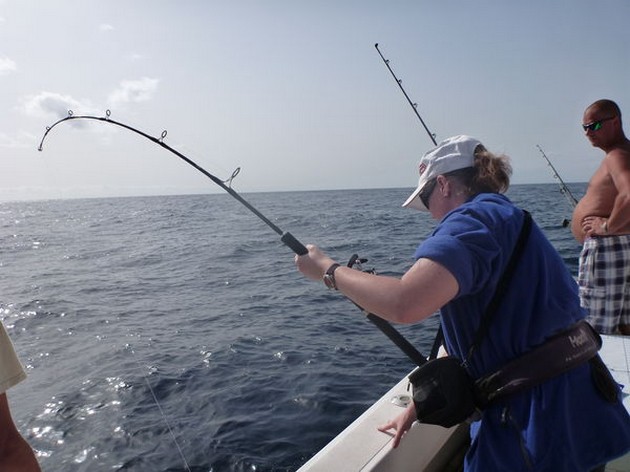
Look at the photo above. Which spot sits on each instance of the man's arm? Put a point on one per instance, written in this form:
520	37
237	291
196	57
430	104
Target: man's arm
618	163
576	223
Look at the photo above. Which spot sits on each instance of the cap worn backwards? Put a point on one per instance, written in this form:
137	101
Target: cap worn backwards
457	152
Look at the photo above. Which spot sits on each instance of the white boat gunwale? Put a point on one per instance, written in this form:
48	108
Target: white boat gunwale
362	448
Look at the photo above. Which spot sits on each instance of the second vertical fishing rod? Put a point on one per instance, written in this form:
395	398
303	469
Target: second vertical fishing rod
564	189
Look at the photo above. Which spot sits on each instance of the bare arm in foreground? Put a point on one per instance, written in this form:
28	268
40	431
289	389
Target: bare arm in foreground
16	454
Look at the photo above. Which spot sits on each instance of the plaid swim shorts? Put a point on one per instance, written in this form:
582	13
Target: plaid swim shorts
604	280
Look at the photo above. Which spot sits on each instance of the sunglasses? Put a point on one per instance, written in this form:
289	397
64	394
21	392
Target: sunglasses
596	125
426	192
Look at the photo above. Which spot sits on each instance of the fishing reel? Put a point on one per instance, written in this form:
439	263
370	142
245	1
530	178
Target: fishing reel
356	262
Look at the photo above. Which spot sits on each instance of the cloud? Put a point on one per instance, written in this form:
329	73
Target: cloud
134	56
133	91
7	65
46	104
105	27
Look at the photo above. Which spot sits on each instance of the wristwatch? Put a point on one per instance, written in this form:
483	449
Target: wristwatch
329	277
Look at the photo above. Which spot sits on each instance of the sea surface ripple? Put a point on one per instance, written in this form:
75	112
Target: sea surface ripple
174	333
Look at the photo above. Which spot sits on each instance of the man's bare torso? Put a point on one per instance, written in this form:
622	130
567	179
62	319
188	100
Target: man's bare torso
602	192
598	200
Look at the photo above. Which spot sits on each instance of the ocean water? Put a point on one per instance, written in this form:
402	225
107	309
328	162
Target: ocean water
174	333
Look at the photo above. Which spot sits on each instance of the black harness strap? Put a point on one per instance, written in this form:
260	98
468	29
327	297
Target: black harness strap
502	285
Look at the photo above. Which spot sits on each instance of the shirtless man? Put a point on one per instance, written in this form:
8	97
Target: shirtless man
601	221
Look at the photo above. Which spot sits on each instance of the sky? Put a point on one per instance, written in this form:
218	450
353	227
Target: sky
294	92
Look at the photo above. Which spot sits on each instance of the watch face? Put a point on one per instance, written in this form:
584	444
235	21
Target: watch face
329	277
329	281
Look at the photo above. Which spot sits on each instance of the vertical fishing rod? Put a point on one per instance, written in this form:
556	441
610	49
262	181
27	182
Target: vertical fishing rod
414	106
563	187
287	238
439	336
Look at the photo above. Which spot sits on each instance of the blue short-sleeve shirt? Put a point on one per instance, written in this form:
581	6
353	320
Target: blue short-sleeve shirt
549	427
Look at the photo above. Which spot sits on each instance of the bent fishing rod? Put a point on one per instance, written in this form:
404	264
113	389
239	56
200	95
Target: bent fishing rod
287	238
414	105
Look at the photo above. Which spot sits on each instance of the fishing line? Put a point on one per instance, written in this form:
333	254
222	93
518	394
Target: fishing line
287	238
159	406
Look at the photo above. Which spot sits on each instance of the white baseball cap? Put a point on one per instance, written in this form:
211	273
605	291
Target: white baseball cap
457	152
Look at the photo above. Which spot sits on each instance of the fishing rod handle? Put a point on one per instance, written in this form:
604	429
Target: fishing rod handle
290	240
398	339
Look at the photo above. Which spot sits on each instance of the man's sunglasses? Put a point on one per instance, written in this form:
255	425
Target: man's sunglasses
426	192
596	125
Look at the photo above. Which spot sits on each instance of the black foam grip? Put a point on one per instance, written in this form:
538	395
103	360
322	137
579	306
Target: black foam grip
297	247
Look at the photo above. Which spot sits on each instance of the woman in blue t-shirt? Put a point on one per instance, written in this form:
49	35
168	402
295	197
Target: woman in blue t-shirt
562	424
